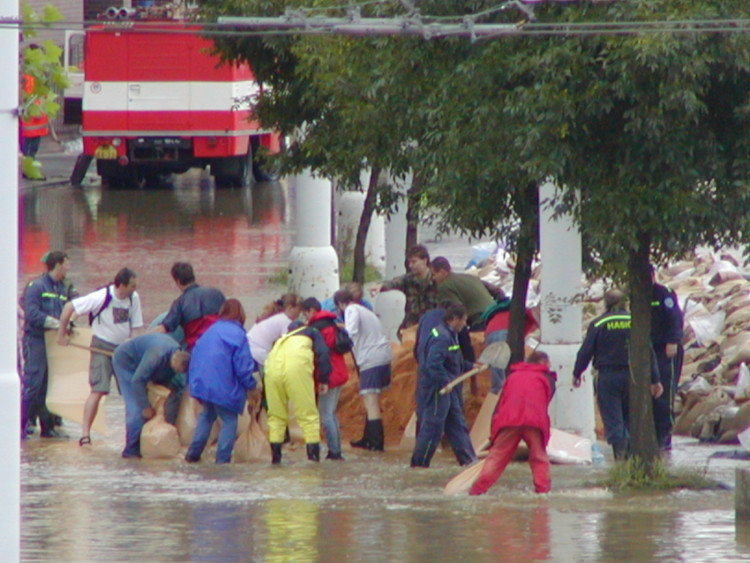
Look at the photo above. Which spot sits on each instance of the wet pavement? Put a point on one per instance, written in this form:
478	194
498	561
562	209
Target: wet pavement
89	505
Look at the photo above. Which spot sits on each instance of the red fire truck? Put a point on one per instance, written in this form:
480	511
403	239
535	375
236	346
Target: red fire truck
155	101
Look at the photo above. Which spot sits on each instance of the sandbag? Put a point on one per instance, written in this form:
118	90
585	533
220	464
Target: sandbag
701	406
187	418
159	439
739	316
252	442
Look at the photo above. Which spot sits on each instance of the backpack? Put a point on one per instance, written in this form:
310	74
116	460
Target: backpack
107	300
343	342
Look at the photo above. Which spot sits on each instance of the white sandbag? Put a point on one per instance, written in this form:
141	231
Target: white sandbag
708	327
743	383
568	449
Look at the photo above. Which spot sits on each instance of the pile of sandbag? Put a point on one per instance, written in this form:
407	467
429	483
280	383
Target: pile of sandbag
713	394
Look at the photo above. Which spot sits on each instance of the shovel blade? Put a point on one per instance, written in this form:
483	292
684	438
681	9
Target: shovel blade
496	355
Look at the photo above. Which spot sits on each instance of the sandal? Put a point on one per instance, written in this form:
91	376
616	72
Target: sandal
86	440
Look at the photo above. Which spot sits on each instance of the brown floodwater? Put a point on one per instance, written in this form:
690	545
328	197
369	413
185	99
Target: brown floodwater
89	505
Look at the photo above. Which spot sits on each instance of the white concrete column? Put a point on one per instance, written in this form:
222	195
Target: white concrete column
395	230
313	262
10	392
572	409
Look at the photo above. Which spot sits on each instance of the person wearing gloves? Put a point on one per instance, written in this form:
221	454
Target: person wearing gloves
220	377
43	301
521	415
289	376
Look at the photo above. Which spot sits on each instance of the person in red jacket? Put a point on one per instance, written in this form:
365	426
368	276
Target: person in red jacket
521	414
328	399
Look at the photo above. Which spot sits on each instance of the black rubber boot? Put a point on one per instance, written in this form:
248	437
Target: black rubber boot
364	442
337	456
376	436
313	452
275	453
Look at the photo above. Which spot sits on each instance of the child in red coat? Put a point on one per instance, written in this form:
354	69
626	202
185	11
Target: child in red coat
521	414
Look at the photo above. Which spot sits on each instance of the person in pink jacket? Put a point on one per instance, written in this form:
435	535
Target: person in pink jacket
521	415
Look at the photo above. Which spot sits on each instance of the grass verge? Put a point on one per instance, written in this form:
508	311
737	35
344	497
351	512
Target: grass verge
633	475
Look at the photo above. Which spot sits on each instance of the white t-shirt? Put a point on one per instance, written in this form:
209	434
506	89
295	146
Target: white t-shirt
114	323
263	334
371	347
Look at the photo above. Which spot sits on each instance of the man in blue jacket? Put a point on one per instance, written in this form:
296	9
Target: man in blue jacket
440	361
149	357
43	302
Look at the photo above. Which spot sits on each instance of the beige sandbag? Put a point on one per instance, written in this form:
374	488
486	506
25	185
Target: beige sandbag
252	442
686	285
737	424
739	316
187	417
159	439
696	406
68	378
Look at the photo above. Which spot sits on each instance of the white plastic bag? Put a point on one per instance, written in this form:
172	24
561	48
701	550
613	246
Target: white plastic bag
743	382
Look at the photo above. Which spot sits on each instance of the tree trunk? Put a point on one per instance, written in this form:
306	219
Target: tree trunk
412	211
358	274
526	248
642	431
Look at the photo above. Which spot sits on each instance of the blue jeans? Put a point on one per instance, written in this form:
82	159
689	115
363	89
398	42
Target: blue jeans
327	404
134	420
227	434
498	375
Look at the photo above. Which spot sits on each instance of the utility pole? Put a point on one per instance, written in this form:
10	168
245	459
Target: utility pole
10	389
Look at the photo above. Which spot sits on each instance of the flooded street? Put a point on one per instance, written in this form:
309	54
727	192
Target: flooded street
90	505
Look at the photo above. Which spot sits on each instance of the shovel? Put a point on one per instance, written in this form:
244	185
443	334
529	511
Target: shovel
496	355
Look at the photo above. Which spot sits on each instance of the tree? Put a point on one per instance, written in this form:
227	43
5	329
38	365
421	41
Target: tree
43	62
653	130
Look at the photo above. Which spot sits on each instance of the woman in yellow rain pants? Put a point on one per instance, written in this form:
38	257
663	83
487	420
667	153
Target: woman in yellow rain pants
289	369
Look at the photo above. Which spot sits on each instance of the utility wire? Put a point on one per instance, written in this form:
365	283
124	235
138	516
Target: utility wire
243	27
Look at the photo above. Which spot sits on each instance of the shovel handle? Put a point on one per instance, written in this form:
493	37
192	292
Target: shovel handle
461	377
90	349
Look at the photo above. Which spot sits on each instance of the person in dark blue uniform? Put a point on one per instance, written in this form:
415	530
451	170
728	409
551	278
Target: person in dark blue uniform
666	338
440	361
607	342
43	302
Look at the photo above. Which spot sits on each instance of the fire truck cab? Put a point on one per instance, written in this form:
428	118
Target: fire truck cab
155	101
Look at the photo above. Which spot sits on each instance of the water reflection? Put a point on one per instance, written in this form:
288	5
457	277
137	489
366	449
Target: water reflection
87	504
236	239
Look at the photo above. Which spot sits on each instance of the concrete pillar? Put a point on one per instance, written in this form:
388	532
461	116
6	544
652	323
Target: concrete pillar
313	262
349	207
572	409
395	231
10	410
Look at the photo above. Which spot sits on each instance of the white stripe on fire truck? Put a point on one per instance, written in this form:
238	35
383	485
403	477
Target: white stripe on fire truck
167	96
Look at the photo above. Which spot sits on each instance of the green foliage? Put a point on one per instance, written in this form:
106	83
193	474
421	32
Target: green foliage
634	474
44	64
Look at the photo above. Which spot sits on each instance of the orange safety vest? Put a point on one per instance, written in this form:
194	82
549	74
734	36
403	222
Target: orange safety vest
33	126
